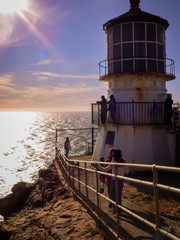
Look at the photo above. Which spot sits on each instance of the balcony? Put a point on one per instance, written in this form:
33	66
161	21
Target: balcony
137	65
138	113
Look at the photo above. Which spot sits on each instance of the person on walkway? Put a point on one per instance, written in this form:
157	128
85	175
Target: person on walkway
112	108
103	104
67	147
168	111
116	170
108	178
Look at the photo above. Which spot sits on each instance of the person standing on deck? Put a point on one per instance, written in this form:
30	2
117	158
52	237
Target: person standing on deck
168	110
112	108
103	104
67	147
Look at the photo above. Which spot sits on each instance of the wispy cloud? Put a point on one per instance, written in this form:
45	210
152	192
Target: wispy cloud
48	96
6	80
45	62
55	75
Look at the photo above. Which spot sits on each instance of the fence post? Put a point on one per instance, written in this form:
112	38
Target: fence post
156	201
117	199
79	185
92	134
56	144
97	194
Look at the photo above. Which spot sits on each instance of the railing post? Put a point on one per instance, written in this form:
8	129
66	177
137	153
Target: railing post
97	194
92	135
79	186
98	114
56	144
117	199
92	115
156	201
86	182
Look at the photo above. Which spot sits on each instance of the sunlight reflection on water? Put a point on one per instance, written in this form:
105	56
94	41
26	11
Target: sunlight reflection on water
27	143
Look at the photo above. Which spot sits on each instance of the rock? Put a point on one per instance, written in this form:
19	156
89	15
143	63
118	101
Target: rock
15	201
50	212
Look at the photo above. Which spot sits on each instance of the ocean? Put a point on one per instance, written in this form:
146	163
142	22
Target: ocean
27	142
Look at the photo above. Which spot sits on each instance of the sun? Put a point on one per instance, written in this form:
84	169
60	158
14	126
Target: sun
13	6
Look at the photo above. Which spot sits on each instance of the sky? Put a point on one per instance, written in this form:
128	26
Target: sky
50	51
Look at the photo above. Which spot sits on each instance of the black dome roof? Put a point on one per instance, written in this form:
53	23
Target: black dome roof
135	14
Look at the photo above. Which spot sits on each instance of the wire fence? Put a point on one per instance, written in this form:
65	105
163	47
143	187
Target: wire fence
150	206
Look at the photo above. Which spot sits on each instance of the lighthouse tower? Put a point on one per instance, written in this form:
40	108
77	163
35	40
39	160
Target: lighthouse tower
136	71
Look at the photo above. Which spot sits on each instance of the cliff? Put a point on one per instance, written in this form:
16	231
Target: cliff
47	210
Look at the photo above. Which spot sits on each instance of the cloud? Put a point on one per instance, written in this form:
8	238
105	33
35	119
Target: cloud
45	62
6	80
48	97
54	75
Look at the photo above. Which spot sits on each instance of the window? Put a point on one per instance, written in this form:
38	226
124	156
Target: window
127	32
140	65
127	50
139	31
117	67
161	67
140	49
151	50
160	33
110	137
151	32
117	51
160	51
110	53
116	34
152	66
128	66
110	37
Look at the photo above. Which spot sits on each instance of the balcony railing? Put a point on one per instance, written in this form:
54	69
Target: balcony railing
136	113
131	65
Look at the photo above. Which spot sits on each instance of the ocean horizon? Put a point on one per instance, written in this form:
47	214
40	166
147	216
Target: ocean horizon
28	142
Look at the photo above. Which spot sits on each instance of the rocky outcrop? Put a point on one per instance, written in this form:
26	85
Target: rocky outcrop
15	201
49	212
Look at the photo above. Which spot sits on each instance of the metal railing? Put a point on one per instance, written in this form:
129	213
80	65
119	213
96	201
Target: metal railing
136	113
148	203
87	137
110	66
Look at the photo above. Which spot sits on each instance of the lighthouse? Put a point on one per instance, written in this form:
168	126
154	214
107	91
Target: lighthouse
136	71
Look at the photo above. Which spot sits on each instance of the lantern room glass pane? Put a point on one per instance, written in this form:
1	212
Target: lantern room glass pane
161	66
160	51
139	31
160	34
117	51
110	67
127	32
117	67
127	50
151	32
151	50
116	34
128	66
110	52
140	50
151	66
140	65
110	37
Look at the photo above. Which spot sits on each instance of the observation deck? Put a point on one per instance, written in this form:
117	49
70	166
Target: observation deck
151	66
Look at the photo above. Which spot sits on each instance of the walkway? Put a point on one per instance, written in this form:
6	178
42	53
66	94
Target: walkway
135	219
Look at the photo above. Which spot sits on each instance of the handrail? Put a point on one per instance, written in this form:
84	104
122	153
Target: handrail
80	176
138	113
104	65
